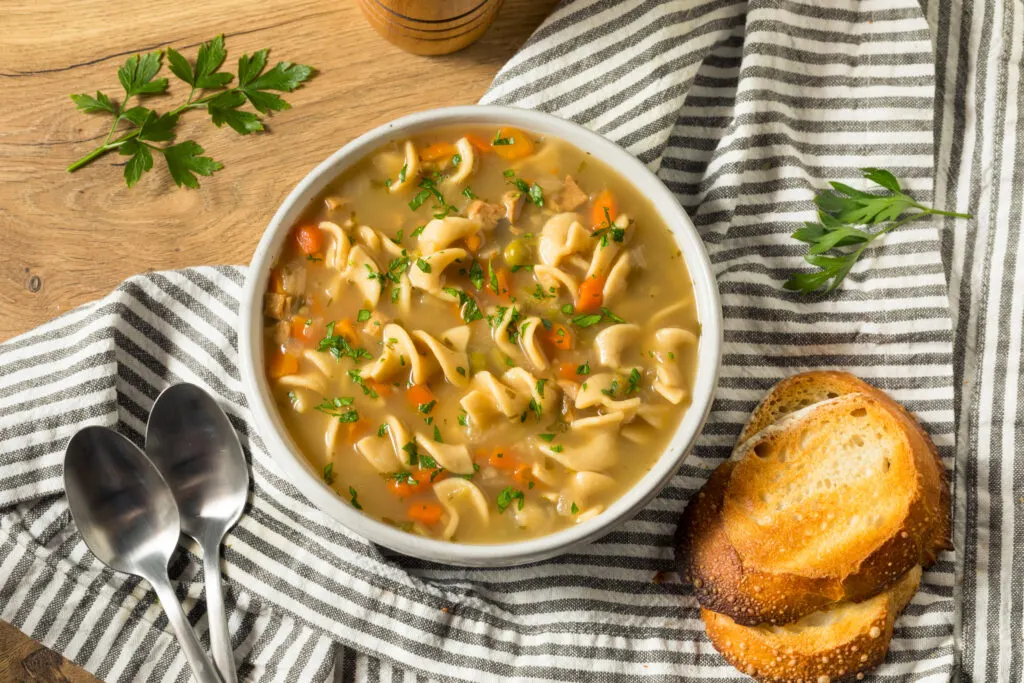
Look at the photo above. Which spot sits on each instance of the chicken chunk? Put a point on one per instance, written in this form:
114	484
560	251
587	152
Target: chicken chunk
487	214
570	197
277	306
513	201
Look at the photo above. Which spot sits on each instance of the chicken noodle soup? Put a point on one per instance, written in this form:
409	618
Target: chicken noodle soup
481	336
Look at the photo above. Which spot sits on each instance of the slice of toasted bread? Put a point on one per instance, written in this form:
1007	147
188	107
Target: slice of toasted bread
805	389
829	504
839	642
705	559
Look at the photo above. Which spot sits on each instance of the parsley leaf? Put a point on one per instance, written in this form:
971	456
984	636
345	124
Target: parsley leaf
329	473
355	496
339	346
508	496
138	78
840	210
339	407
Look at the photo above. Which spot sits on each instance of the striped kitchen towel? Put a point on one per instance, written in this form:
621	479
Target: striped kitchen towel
744	109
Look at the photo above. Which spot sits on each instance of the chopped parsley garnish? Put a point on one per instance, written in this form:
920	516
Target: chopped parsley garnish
329	473
547	437
292	397
456	160
540	387
611	316
469	308
414	454
463	419
355	498
493	277
397	267
314	259
568	309
476	275
634	382
575	509
609	228
417	201
339	407
425	408
612	390
437	435
461	370
339	346
508	496
423	265
382	430
401	174
536	408
403	477
558	448
397	239
508	173
587	319
539	293
356	377
583	369
362	316
499	141
427	462
418	231
468	193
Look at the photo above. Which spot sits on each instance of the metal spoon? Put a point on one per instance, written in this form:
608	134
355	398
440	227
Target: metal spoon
192	443
127	516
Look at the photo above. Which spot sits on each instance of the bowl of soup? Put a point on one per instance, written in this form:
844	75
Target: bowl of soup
480	335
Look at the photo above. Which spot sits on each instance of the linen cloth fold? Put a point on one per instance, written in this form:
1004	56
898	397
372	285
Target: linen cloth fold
744	109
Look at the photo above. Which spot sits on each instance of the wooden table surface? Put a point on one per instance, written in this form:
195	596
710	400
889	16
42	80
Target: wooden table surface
70	238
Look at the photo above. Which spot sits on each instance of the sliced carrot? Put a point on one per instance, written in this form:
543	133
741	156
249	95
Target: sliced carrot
277	281
559	336
604	200
380	388
473	242
438	150
310	239
591	294
281	364
403	487
567	371
502	276
357	430
425	513
478	142
511	143
523	474
346	329
502	459
418	394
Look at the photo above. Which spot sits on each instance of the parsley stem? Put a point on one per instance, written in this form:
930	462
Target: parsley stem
101	150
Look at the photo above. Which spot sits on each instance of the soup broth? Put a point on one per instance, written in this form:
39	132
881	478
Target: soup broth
481	336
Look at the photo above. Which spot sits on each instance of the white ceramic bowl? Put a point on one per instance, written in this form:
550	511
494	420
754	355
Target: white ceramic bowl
287	455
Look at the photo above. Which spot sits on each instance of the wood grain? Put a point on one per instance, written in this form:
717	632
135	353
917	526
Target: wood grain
70	238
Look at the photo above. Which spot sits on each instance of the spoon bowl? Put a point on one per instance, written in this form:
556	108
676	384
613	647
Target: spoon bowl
123	508
127	516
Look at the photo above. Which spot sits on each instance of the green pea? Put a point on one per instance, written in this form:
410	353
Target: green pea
517	253
477	362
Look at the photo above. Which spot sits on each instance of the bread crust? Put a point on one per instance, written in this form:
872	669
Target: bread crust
833	645
725	583
706	560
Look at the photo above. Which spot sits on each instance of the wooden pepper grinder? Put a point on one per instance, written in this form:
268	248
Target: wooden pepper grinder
430	27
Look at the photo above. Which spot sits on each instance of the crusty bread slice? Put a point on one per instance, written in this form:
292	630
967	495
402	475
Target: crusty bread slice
830	504
705	559
805	389
837	643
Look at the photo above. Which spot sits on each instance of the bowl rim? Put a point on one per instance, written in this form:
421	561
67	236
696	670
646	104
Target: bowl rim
287	456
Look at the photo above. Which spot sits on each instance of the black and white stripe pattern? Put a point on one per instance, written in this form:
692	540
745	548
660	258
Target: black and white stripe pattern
744	109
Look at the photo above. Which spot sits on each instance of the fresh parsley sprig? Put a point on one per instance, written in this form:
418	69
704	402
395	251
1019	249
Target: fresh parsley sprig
256	85
839	212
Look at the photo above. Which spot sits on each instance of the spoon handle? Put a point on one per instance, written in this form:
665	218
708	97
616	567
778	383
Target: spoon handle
202	668
216	614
